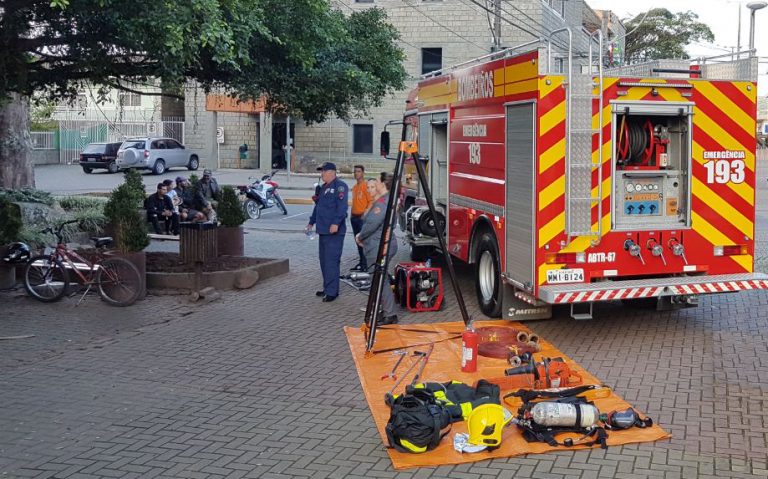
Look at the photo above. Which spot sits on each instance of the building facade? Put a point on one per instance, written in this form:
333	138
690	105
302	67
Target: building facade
434	34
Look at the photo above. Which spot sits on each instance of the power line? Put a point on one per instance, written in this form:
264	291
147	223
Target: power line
400	40
447	28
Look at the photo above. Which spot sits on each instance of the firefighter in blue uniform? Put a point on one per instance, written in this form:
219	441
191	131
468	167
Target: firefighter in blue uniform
330	216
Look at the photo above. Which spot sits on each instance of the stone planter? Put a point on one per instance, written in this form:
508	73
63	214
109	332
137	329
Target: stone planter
7	273
242	278
230	240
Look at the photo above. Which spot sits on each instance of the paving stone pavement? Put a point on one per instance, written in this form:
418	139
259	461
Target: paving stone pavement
261	384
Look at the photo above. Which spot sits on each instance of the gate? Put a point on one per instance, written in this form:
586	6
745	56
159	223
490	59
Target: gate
75	134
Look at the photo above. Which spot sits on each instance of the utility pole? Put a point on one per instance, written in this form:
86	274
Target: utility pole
497	25
738	35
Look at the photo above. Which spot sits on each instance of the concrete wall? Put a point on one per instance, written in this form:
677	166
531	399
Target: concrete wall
45	157
457	27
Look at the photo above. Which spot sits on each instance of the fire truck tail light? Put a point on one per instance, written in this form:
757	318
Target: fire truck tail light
559	258
731	250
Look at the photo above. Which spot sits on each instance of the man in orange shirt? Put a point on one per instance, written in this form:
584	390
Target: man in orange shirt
361	200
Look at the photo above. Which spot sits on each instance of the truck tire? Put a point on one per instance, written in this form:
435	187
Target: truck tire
488	276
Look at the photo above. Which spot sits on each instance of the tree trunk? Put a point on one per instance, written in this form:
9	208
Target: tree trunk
16	169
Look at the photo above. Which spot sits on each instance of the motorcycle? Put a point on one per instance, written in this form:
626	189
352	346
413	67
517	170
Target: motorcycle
260	195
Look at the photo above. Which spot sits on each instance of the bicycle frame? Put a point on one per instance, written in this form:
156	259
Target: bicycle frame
66	256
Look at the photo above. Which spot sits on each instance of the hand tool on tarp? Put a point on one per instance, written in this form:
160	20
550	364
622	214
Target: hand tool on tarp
391	374
422	359
382	259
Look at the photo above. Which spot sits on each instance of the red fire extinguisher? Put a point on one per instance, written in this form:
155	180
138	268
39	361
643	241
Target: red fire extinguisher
469	342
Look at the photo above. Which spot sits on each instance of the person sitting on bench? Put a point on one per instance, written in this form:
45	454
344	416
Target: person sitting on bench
175	201
159	207
192	202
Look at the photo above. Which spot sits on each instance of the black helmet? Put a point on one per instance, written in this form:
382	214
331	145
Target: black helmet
17	253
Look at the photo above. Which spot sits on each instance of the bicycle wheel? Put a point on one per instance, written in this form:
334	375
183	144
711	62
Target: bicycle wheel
45	278
119	281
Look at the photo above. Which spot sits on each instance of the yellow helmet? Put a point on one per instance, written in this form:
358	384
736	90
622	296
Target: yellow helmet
485	424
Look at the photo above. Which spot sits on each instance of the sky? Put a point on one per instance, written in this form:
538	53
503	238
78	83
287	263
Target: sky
722	17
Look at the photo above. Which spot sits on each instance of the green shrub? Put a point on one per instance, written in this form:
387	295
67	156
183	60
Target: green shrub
80	203
27	195
230	210
122	212
136	186
10	223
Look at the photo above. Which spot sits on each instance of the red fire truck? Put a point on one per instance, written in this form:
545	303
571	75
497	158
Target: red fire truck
574	188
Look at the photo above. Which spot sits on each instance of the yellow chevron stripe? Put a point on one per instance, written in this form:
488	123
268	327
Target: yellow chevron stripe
555	82
717	133
745	191
524	86
731	215
714	236
552	118
577	245
523	70
551	192
552	229
728	107
498	76
607	83
606	188
498	82
438	89
672	94
551	156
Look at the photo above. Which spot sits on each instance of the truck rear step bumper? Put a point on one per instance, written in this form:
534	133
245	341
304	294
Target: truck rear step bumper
650	288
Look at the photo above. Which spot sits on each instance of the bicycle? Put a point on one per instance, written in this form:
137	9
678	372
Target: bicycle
46	276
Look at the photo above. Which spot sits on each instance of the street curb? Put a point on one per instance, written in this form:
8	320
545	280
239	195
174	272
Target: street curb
298	201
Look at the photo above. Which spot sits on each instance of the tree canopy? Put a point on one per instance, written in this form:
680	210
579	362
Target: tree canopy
306	57
663	34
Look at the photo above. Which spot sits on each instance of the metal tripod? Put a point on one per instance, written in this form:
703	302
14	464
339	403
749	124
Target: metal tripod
380	279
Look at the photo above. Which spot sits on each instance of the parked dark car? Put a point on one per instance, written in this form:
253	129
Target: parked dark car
100	155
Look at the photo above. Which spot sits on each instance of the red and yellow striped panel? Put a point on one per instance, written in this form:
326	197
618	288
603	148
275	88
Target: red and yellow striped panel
724	120
513	78
550	202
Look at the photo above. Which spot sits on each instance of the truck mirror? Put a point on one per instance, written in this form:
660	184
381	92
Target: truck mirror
384	143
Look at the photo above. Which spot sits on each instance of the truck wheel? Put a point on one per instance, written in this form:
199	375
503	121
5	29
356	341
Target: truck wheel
488	276
112	167
420	254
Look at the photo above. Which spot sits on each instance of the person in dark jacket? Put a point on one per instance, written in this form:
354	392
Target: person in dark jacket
209	188
160	208
370	237
192	202
330	216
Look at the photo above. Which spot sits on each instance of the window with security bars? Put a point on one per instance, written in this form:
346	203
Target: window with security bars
129	99
362	139
431	60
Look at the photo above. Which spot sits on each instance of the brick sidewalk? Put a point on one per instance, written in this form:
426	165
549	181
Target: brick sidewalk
261	384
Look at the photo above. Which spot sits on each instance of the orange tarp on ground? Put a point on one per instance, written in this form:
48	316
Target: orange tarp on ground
445	365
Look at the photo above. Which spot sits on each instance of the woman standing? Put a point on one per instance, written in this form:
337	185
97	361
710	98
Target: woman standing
370	237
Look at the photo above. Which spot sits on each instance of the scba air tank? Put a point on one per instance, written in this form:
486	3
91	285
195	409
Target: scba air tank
565	415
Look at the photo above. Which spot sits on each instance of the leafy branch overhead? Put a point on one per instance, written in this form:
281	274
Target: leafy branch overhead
663	34
307	57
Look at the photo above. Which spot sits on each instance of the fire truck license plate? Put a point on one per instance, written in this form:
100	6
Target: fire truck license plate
555	276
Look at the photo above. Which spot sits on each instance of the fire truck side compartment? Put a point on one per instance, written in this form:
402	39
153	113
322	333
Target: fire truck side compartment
650	194
520	193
